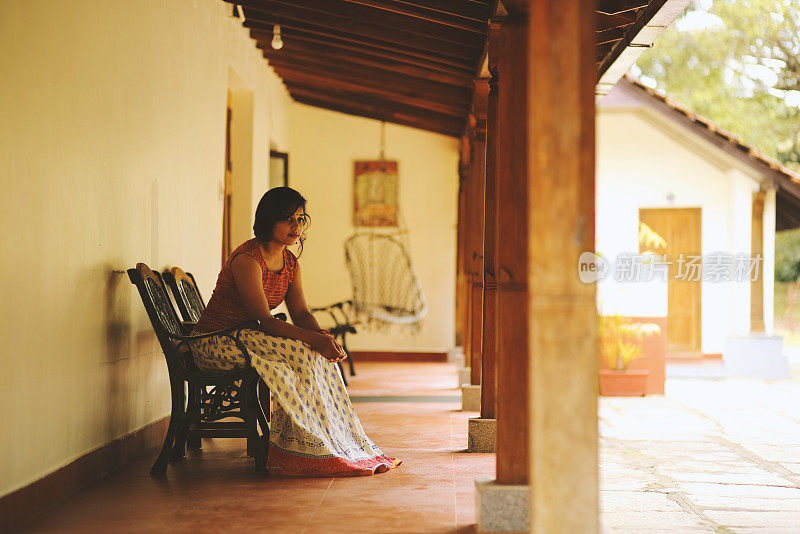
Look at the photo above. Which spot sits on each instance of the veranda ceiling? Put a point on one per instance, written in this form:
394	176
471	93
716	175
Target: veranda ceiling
413	62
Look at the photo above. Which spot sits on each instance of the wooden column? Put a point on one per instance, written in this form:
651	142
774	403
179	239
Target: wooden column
563	315
757	254
459	318
476	218
512	250
489	340
464	244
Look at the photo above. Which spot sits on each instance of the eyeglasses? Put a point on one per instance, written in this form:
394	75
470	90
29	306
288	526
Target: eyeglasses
302	220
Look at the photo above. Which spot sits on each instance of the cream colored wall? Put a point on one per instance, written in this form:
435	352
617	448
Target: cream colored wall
324	146
641	159
112	123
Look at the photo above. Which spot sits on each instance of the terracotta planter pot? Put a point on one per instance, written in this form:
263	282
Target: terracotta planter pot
630	383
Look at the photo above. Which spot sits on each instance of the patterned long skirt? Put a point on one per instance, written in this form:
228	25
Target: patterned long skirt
314	430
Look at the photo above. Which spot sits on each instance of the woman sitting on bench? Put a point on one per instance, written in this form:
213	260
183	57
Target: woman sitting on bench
314	430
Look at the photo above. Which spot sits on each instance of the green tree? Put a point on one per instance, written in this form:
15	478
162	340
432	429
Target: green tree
736	62
787	256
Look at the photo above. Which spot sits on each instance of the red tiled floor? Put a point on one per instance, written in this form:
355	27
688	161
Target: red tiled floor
216	489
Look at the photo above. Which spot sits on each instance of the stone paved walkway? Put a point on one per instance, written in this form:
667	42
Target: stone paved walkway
712	455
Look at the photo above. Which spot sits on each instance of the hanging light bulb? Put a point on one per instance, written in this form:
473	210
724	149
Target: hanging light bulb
277	42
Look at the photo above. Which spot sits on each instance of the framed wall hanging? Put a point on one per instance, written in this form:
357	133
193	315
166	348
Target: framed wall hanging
375	192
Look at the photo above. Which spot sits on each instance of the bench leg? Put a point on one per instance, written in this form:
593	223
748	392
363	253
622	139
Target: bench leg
263	408
193	441
341	372
350	362
179	447
179	404
250	409
349	357
175	420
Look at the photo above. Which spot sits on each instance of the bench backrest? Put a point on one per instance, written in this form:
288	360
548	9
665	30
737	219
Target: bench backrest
157	304
187	295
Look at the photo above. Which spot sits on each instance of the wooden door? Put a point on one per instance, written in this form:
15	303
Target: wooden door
227	189
680	230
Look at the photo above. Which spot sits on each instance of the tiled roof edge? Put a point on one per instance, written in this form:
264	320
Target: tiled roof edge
710	126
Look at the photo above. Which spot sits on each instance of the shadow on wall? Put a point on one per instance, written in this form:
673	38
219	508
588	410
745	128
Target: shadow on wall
119	396
117	313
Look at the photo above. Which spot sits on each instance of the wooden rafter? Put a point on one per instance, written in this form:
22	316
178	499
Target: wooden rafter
648	23
296	50
472	9
356	108
353	17
425	13
378	78
392	106
611	34
263	39
346	29
607	21
414	61
263	30
439	103
612	7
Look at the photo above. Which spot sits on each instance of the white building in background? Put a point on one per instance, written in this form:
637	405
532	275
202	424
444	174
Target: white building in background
704	193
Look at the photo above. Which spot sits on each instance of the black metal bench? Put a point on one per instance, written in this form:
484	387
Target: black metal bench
232	394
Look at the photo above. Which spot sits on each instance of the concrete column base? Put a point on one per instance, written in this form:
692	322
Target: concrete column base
755	356
481	435
464	375
456	356
470	398
502	508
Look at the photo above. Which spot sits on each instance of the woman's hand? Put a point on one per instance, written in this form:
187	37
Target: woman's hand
329	348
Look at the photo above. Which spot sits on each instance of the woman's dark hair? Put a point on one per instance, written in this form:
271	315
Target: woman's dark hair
277	204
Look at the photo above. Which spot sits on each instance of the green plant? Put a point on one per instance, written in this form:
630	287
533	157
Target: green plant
621	340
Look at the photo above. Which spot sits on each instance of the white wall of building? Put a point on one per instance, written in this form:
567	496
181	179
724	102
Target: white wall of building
324	146
112	138
646	161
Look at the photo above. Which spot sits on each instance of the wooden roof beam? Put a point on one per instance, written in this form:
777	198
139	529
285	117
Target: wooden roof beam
263	31
440	103
650	22
612	7
606	21
263	39
612	34
357	16
452	130
349	98
373	77
346	29
299	50
424	13
470	9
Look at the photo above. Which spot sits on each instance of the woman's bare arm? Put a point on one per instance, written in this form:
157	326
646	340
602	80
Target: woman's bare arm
298	308
247	275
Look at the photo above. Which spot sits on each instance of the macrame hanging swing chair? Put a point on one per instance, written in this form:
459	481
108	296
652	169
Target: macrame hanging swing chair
386	291
385	288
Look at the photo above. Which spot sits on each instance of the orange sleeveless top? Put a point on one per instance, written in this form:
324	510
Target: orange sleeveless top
225	308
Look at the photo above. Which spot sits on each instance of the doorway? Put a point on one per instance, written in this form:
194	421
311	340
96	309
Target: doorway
278	169
227	187
237	186
680	231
